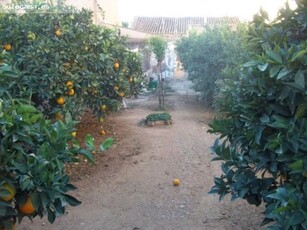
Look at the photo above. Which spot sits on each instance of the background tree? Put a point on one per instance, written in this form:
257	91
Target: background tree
158	46
210	56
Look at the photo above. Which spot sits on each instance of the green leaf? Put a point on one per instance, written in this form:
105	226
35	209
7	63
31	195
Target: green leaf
59	207
70	187
254	199
300	78
11	74
258	134
265	118
35	198
274	56
280	194
26	109
44	199
251	63
298	54
275	70
5	204
2	211
35	118
264	14
263	67
71	200
106	144
295	86
89	141
51	215
297	217
283	72
4	192
297	165
301	111
279	122
88	155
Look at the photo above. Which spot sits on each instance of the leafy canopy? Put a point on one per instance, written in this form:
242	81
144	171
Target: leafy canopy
158	46
209	56
262	124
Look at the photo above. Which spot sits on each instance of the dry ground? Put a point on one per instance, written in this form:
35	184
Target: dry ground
131	187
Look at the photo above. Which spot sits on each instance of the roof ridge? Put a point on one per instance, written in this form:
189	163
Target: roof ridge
177	25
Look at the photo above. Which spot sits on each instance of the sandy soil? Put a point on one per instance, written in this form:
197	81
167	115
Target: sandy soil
131	186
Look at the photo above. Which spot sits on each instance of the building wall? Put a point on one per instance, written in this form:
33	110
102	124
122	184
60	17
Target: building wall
110	8
89	4
104	11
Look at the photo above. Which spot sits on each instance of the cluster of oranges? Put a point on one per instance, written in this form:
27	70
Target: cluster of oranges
30	36
70	91
27	208
120	93
70	86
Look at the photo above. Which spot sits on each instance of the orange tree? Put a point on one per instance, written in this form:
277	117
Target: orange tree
67	62
64	63
263	122
158	46
210	56
33	154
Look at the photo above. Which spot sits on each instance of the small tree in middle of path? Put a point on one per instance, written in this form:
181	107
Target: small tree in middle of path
158	46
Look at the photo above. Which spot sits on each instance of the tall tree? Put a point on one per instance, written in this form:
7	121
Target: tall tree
158	46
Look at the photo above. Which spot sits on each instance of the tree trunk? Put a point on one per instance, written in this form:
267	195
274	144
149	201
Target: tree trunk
160	87
162	90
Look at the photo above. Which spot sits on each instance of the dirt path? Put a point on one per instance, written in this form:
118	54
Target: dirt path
133	189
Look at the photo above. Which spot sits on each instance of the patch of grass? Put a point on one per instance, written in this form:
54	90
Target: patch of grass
158	117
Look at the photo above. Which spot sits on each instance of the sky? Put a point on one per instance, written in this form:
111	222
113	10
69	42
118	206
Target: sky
244	9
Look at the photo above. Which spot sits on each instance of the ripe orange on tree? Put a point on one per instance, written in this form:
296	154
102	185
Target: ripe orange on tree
71	92
60	100
116	65
116	88
58	32
27	207
12	192
7	47
74	133
69	84
121	94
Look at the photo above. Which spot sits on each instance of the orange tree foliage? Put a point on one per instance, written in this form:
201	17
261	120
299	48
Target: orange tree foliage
51	48
263	122
53	65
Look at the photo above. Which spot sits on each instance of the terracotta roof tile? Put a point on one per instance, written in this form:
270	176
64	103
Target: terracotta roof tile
166	25
222	20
